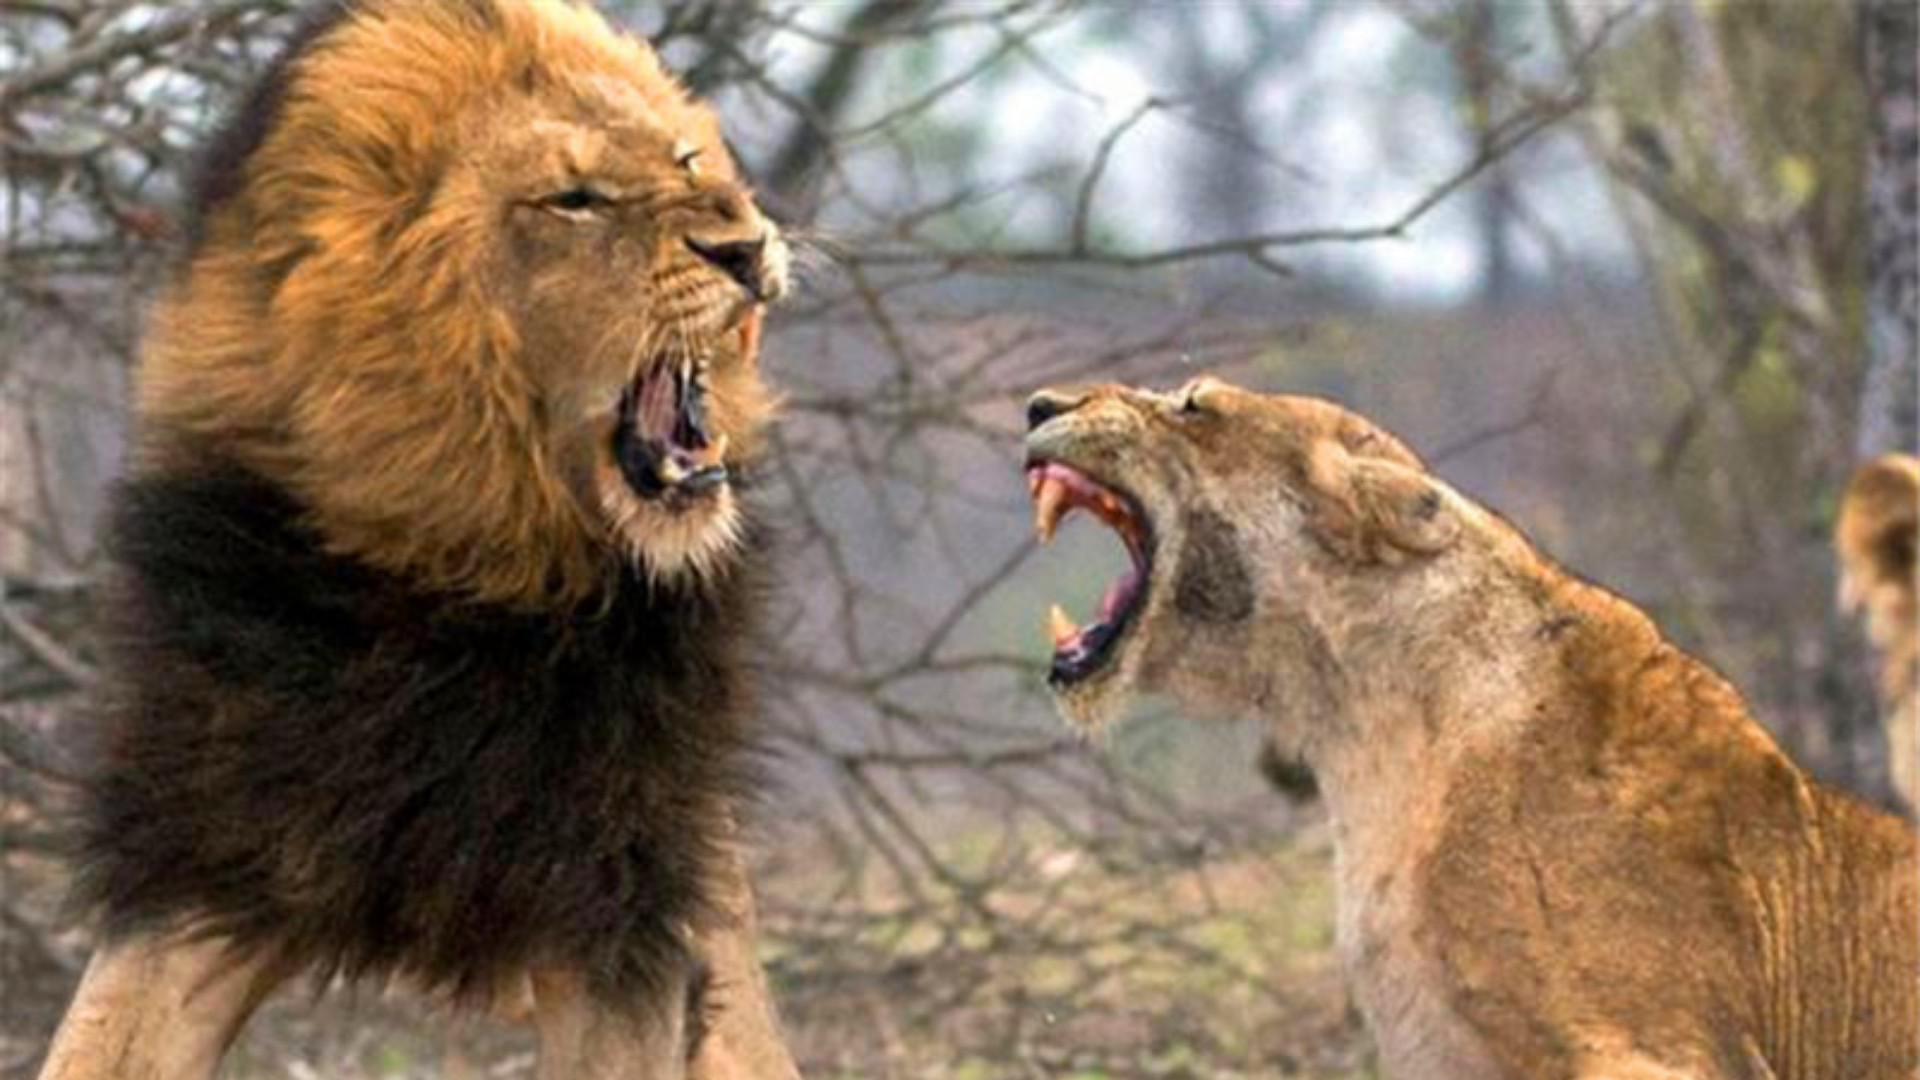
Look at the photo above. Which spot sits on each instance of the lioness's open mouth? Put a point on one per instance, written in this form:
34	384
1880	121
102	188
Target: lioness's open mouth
662	442
1058	490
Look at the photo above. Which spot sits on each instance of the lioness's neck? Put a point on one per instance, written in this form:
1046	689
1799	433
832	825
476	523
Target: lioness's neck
1440	673
1424	696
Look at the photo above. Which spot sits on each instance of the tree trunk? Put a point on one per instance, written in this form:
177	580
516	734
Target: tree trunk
1476	57
1888	407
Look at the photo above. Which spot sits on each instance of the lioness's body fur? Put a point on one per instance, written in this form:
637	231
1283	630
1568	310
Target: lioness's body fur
1564	848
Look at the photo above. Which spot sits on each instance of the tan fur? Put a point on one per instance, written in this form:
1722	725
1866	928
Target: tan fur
157	1009
437	374
1875	538
1563	847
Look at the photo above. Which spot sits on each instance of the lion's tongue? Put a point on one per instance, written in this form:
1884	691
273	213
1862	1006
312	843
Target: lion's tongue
664	443
657	411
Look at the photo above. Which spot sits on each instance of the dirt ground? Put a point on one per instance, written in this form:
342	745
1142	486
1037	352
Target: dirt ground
1225	970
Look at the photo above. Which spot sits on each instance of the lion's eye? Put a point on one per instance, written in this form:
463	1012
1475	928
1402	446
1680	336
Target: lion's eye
575	202
688	159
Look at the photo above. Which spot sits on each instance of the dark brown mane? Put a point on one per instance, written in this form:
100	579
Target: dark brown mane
308	755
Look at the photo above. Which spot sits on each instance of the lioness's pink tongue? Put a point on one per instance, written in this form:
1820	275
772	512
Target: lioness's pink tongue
1118	595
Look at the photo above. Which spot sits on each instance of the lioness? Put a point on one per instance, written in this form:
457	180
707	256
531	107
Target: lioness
1563	848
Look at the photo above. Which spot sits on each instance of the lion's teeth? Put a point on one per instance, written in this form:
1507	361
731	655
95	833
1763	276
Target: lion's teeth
1049	505
1060	627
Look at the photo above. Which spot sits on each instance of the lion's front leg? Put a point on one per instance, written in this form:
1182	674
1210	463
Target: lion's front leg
744	1040
584	1036
157	1008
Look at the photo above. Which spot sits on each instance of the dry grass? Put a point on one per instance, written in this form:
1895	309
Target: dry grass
1223	970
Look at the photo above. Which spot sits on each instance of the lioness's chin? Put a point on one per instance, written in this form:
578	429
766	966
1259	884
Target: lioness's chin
1089	711
1093	702
671	537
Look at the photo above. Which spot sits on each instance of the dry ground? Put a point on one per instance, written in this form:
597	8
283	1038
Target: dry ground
1224	970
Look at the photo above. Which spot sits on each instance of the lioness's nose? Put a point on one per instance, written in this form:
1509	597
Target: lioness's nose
1047	404
745	261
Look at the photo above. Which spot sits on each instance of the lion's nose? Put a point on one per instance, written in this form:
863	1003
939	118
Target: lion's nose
745	261
1047	404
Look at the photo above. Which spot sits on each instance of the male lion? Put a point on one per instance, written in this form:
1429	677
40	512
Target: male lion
1875	538
1563	849
434	598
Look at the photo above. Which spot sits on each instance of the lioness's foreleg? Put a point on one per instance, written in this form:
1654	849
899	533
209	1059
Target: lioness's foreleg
157	1008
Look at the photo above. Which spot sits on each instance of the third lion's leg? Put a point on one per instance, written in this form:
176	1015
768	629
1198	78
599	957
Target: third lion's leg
156	1008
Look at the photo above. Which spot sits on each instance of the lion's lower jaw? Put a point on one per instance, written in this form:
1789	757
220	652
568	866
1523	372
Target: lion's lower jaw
669	544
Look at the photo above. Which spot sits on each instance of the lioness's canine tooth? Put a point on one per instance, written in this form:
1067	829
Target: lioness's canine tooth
1060	626
1048	506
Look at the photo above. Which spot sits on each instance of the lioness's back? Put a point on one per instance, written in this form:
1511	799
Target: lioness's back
1642	859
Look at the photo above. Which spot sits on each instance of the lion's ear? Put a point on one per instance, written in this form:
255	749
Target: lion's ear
1875	535
1373	510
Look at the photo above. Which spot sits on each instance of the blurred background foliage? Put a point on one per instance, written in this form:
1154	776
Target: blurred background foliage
1631	272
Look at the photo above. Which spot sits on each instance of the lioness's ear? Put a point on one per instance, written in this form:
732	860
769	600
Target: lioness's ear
1372	510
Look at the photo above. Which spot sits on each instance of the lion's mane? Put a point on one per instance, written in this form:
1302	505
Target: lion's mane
381	700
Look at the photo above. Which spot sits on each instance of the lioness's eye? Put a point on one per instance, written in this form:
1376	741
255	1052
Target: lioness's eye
575	201
688	158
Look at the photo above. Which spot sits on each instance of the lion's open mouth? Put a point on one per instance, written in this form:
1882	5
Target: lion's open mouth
663	444
1058	490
